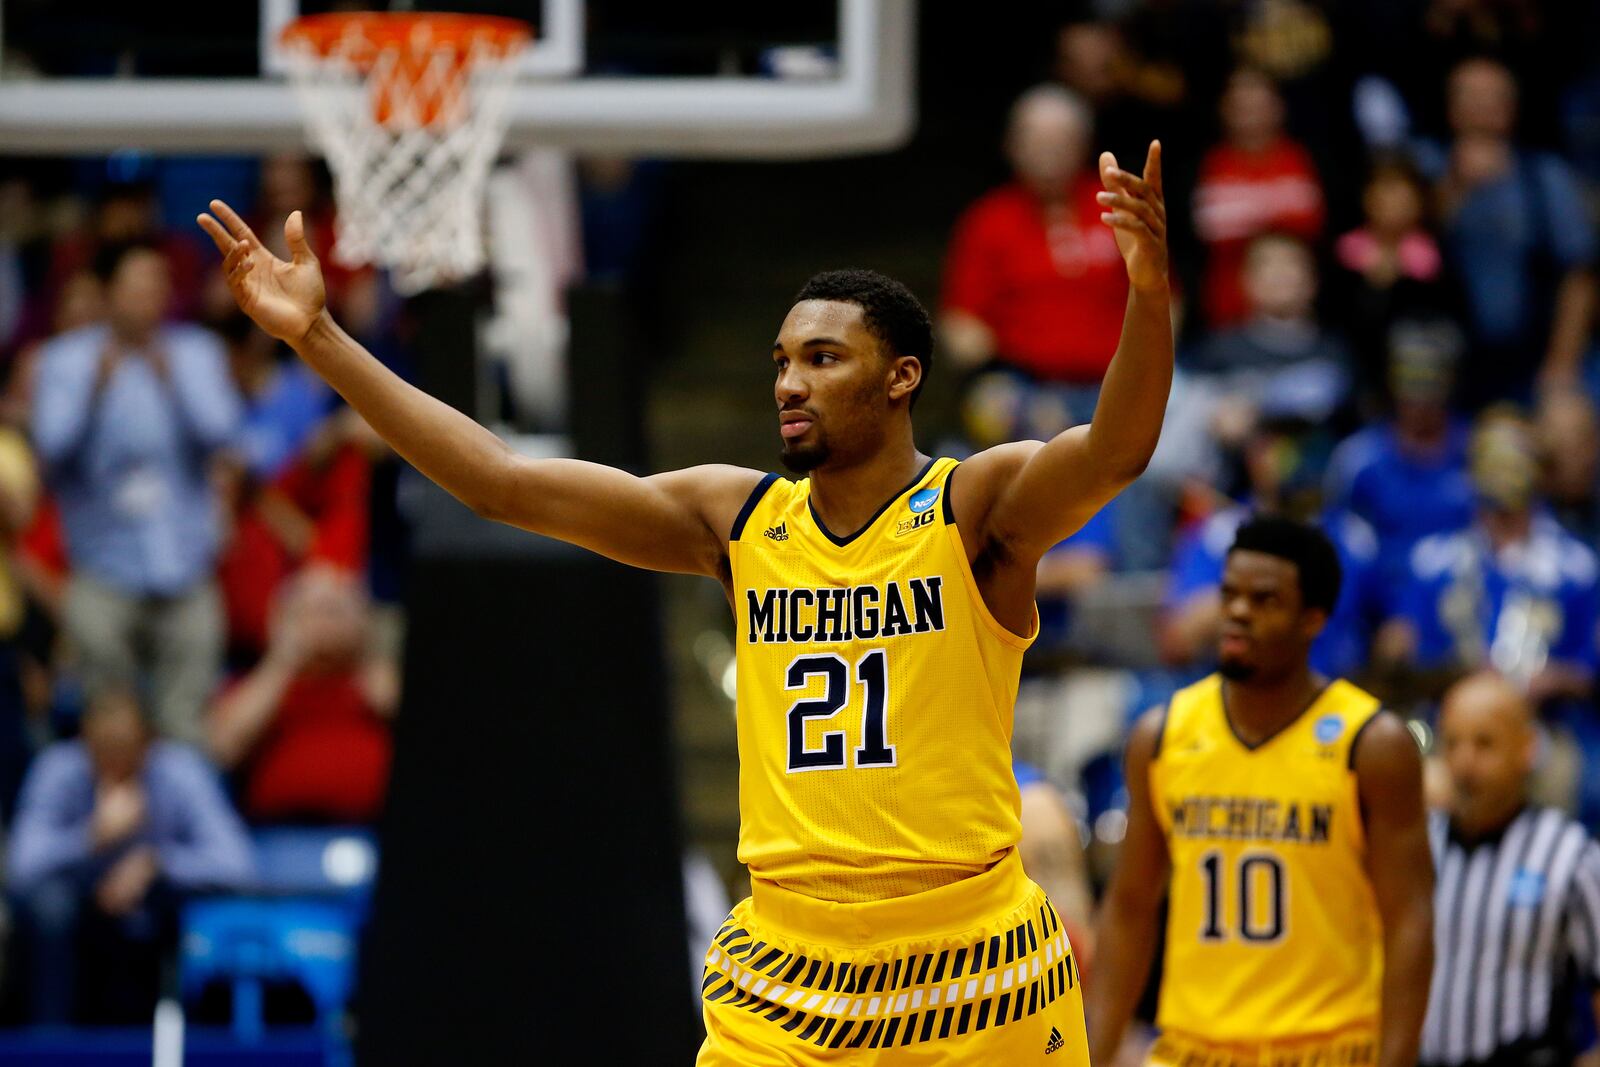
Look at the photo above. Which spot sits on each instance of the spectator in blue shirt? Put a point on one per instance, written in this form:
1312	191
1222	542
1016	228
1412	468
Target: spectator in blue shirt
1407	476
126	419
1513	590
1283	477
111	831
1518	234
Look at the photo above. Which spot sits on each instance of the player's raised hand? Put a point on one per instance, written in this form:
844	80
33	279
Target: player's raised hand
284	298
1136	211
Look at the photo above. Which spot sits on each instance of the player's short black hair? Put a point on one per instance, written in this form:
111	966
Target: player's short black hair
890	310
108	257
1308	548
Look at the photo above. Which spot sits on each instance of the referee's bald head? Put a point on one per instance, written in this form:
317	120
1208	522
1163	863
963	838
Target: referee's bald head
1486	731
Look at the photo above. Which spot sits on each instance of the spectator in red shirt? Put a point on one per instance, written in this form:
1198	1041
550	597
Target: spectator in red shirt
1033	277
307	730
315	510
1256	181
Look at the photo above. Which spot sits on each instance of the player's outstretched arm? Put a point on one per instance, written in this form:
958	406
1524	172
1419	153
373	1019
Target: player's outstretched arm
1125	937
1399	862
1043	493
670	522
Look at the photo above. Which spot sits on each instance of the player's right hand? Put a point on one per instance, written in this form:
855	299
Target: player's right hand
284	298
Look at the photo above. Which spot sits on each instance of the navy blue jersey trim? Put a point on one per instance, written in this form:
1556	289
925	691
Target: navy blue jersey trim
1161	731
842	541
750	505
948	507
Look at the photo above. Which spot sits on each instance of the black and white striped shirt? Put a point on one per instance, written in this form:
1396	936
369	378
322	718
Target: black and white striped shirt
1514	914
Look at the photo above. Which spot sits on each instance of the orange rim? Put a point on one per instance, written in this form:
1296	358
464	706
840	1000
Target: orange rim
416	42
391	30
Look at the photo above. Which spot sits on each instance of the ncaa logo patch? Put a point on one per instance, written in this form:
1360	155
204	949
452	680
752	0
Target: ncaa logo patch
923	499
1526	889
1328	729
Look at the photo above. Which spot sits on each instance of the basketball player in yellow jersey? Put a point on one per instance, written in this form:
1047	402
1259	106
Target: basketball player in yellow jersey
881	606
1281	815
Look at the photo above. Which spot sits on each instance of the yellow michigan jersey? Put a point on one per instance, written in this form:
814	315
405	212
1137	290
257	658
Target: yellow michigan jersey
890	921
874	701
1273	933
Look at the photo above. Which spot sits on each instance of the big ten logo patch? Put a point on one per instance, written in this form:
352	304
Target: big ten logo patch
915	522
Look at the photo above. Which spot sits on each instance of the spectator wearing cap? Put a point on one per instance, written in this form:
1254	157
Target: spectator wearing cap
1517	904
1033	278
127	416
1518	234
1407	475
1258	180
113	830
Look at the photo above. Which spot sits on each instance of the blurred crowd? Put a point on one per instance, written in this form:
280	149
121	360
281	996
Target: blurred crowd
1384	260
199	575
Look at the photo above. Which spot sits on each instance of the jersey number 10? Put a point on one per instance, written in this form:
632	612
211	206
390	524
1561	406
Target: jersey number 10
1256	924
872	673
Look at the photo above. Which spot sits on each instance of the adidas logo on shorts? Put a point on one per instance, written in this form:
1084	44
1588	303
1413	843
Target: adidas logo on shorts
779	532
1056	1043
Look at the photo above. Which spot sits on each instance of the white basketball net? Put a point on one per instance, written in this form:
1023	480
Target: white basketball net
410	132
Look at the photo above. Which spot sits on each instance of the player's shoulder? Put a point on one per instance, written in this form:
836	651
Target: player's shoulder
982	475
723	494
1146	734
1384	750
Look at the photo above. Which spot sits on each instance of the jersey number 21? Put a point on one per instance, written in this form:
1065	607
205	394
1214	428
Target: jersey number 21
872	674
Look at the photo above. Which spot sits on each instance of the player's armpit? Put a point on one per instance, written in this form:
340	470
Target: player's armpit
677	521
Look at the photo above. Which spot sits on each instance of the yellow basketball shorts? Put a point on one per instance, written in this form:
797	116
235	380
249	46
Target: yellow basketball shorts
1353	1047
977	972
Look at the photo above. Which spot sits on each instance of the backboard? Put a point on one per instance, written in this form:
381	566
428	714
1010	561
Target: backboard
752	81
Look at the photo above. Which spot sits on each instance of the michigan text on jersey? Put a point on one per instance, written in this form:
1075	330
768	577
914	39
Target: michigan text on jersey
1251	819
845	613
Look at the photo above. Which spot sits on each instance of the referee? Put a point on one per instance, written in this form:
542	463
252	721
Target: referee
1517	911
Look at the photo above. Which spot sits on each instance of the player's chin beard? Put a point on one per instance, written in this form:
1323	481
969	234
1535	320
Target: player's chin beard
1236	670
803	459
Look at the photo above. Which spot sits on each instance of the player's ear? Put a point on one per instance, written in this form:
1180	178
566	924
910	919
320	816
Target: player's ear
905	374
1312	620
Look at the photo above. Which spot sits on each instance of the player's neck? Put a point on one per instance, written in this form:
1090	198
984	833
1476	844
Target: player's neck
847	497
1259	708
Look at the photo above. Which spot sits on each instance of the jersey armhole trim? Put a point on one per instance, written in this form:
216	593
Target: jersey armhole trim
750	506
948	507
1161	731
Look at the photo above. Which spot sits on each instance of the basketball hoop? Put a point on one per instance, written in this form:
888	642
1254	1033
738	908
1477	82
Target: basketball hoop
409	110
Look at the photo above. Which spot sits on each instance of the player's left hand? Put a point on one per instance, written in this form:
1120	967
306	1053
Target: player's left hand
1136	211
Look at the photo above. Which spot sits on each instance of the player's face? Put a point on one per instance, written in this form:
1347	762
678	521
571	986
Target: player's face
832	387
1266	629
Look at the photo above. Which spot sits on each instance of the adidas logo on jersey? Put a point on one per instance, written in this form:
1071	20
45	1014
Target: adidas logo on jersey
779	532
1056	1042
